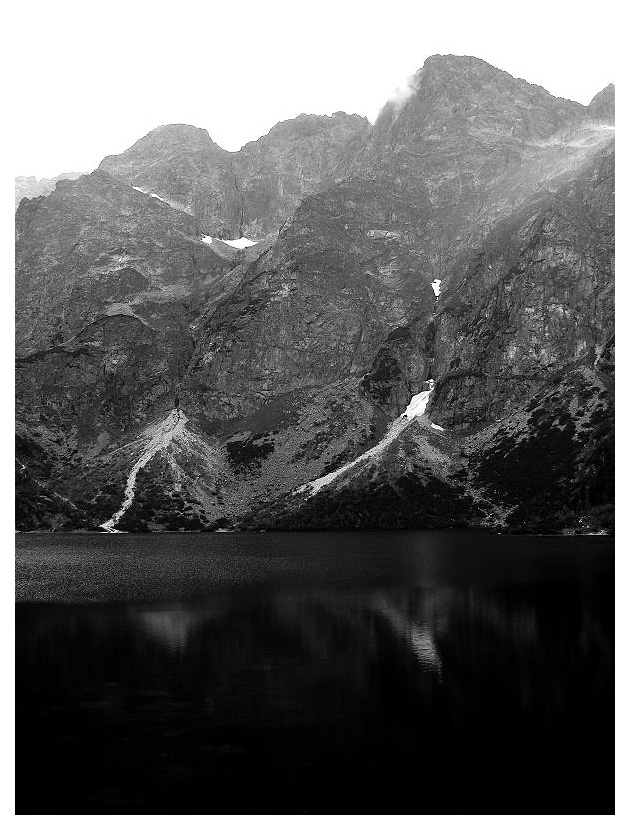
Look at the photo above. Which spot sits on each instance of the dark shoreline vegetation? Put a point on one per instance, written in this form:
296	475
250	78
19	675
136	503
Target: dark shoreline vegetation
554	481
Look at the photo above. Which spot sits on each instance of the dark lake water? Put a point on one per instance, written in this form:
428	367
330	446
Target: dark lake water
363	673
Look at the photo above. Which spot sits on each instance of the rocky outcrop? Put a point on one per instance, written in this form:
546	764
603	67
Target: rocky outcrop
535	298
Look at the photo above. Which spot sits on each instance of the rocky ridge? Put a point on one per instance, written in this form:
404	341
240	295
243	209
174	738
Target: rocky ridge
249	193
295	356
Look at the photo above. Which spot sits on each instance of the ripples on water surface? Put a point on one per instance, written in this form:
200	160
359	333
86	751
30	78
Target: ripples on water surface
429	672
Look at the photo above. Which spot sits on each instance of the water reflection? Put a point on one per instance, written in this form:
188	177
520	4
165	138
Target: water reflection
419	637
173	626
391	700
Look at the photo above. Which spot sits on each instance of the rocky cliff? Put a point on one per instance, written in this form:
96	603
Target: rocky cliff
468	237
249	193
602	107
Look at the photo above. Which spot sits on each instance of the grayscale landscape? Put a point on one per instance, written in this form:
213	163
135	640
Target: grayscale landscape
315	452
230	340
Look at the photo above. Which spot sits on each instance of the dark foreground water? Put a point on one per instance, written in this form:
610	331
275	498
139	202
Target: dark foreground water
424	673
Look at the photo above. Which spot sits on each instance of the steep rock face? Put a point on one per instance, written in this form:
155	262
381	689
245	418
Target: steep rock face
98	247
292	161
182	165
534	299
400	366
114	375
456	99
29	187
108	282
538	181
473	144
466	148
310	311
249	193
602	107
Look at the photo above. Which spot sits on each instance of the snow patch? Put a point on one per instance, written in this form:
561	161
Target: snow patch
170	202
416	408
418	403
243	242
148	193
435	426
435	285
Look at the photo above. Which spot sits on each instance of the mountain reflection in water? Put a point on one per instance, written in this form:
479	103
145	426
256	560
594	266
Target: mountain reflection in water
455	698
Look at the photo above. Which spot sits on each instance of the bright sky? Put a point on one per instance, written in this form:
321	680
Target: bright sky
90	79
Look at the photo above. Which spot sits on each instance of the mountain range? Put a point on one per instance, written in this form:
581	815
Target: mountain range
341	325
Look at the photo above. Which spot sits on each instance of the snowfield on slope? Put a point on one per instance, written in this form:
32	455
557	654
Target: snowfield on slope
241	243
169	202
416	409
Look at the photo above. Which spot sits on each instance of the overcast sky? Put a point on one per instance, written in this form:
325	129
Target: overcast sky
90	79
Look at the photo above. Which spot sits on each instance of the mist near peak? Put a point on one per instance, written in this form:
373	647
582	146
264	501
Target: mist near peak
402	94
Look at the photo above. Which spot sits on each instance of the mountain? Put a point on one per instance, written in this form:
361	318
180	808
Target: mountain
521	428
167	379
602	107
29	187
245	194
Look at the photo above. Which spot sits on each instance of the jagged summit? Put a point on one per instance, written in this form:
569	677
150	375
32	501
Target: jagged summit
453	93
307	124
296	358
602	107
176	133
182	129
473	68
248	193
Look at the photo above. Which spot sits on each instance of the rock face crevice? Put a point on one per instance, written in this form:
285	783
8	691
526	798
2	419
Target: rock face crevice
293	357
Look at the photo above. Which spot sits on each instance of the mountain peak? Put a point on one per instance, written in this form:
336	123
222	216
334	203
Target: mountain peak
309	125
602	107
464	94
176	135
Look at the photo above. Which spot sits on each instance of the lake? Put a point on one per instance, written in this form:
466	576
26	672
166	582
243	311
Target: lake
429	672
